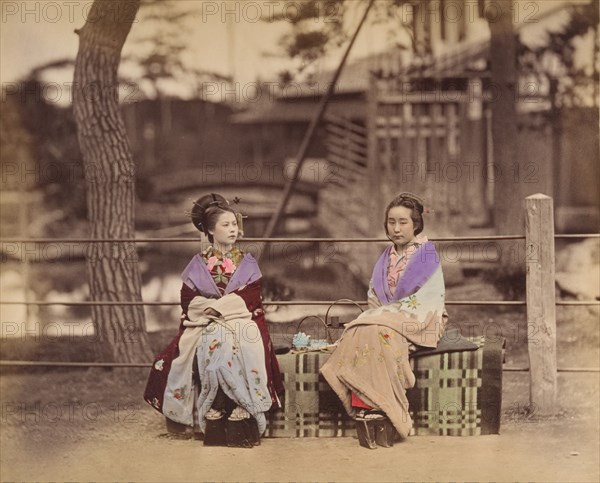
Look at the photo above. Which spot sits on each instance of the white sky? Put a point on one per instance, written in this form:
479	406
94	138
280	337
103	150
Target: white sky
36	32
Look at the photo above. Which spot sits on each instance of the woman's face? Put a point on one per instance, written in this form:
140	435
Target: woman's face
226	230
400	227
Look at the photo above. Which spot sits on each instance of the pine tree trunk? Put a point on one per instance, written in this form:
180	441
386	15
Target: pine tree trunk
508	203
113	272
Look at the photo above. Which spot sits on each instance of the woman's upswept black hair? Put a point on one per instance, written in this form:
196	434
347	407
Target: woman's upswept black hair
206	212
412	202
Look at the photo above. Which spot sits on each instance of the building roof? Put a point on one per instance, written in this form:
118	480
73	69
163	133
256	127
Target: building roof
466	60
301	111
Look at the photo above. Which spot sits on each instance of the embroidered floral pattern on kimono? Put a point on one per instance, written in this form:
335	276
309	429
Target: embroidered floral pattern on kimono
361	355
413	303
216	350
398	261
222	266
370	365
215	344
259	394
179	393
385	338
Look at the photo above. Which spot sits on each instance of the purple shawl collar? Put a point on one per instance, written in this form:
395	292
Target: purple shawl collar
420	267
197	276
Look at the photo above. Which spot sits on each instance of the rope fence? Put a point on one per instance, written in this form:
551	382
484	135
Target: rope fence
110	365
281	303
457	239
283	239
289	240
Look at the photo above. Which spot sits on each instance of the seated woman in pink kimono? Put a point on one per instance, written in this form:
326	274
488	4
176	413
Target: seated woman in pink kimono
369	369
220	373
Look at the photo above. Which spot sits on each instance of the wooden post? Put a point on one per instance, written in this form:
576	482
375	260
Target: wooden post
541	308
372	157
374	199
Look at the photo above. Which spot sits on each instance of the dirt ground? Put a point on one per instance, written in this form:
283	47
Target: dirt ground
93	426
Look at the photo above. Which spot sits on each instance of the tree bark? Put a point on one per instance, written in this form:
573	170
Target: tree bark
507	211
113	272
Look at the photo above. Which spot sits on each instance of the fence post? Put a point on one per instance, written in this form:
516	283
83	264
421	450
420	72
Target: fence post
541	308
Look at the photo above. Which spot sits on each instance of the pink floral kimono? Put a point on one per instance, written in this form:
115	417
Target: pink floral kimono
406	308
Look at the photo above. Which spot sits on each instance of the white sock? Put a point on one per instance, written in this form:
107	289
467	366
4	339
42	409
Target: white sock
238	414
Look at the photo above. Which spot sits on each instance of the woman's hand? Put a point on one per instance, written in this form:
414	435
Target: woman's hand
212	312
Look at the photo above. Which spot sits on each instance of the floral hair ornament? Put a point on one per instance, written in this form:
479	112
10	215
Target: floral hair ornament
239	218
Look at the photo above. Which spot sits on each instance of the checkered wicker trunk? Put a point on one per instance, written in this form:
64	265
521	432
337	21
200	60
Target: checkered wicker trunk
456	394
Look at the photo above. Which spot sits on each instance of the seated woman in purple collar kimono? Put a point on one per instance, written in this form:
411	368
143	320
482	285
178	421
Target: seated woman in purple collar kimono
221	369
370	370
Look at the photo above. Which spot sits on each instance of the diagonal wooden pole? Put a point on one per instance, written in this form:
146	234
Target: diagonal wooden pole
291	182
